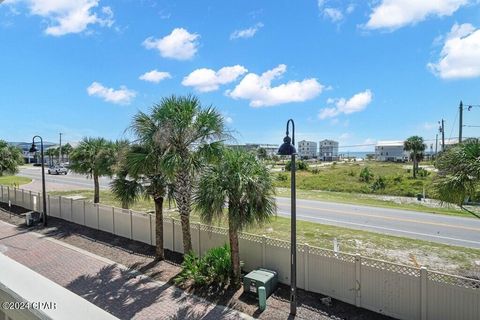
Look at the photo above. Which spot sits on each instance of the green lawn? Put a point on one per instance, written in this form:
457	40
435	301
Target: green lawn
106	198
344	177
369	244
14	181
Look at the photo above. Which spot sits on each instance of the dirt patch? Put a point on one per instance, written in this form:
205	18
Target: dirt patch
139	256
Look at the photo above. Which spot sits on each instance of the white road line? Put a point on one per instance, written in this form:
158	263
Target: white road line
383	228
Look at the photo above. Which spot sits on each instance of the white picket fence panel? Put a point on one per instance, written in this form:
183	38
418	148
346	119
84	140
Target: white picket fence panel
399	291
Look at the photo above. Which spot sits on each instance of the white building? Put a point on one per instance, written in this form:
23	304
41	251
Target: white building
390	151
328	150
307	149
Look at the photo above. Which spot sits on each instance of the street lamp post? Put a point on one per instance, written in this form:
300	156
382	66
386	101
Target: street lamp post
288	149
44	193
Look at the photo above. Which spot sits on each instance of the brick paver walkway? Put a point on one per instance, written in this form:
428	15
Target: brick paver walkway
112	287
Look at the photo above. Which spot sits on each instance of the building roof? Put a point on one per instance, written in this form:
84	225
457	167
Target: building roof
390	143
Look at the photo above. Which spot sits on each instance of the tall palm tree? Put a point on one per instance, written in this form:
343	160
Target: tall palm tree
66	150
191	136
459	172
51	154
415	146
10	158
94	157
241	185
141	175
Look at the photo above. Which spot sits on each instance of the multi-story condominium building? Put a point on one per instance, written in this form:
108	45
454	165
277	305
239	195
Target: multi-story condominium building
390	151
307	149
328	150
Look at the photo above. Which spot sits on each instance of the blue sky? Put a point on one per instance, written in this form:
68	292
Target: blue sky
355	71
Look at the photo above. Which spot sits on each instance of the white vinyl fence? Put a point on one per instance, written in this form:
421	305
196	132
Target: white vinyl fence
399	291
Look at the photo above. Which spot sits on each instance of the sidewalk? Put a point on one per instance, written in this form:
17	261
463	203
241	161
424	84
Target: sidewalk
112	287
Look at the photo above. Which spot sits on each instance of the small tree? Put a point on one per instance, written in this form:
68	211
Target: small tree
10	158
240	185
365	175
94	157
262	153
416	147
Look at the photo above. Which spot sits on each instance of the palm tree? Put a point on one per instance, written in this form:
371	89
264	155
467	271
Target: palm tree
240	184
10	158
459	172
416	147
94	157
51	154
66	150
141	175
191	136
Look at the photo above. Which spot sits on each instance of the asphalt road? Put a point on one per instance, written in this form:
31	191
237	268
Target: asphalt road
439	228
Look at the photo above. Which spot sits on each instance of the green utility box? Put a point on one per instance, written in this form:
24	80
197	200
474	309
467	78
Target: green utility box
260	278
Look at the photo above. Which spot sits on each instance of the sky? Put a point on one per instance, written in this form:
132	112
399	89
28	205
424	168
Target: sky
354	71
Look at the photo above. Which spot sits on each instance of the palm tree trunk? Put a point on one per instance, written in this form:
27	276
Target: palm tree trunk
96	188
183	192
159	252
234	253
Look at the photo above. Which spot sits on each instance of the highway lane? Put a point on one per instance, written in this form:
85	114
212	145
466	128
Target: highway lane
419	225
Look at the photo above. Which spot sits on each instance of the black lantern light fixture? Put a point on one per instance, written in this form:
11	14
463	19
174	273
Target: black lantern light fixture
288	149
44	193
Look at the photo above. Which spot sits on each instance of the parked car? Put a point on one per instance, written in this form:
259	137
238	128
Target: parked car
57	170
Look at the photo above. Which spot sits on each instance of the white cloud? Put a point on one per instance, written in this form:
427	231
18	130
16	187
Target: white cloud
206	80
333	14
356	103
246	33
120	96
179	44
69	16
460	55
394	14
155	76
259	91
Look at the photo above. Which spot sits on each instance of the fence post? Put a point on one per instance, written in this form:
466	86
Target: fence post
48	203
31	200
1	193
15	195
150	228
264	245
71	209
423	293
173	235
98	215
358	287
306	258
199	241
8	193
23	198
60	206
84	218
113	219
131	224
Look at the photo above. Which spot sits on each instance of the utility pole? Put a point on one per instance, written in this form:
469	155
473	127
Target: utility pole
60	151
442	131
436	145
460	124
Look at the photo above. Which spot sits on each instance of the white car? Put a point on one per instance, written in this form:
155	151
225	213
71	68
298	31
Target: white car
57	170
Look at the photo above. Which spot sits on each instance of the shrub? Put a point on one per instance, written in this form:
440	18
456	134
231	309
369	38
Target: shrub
398	178
351	173
366	175
214	267
379	184
315	171
299	165
423	173
282	177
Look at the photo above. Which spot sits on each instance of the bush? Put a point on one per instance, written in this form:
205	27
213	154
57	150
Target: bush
379	184
423	173
282	177
351	173
366	175
299	165
215	267
315	171
398	178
